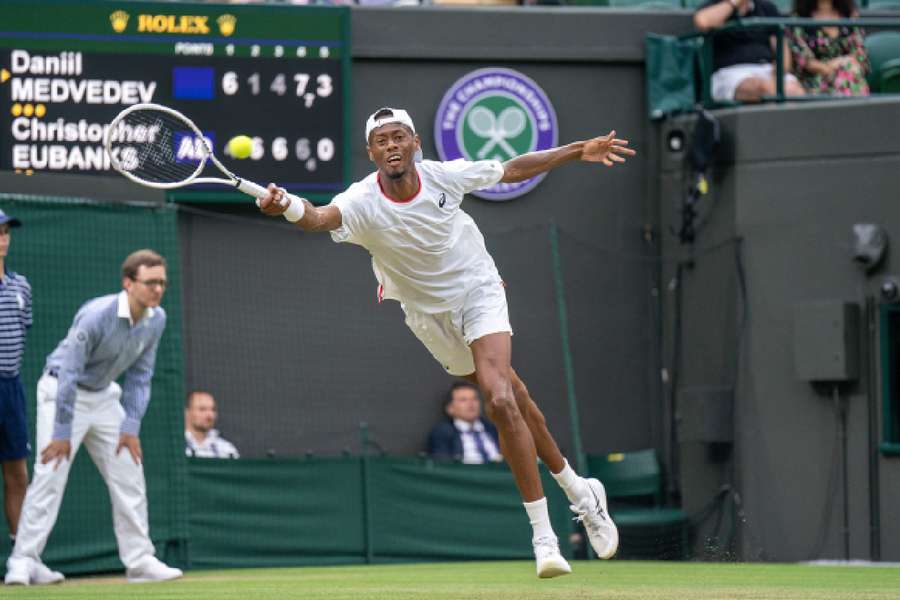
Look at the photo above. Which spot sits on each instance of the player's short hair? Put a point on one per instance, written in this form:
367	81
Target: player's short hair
193	393
383	112
459	385
139	258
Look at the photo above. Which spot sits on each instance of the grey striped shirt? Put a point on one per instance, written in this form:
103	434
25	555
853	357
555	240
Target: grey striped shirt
15	318
213	446
101	345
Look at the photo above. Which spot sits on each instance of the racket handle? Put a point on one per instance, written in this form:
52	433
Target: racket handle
251	189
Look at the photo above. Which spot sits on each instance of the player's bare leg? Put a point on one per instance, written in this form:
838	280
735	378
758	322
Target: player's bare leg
546	446
492	354
588	497
492	371
15	482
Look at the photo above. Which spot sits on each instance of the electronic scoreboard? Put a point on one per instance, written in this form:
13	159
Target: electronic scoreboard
279	74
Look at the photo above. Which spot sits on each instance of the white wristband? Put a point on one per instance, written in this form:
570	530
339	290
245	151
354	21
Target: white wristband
296	209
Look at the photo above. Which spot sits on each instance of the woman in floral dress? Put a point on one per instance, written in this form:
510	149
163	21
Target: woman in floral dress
829	60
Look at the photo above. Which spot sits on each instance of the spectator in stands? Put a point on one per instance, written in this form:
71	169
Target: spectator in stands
743	61
829	60
200	437
15	319
464	435
79	402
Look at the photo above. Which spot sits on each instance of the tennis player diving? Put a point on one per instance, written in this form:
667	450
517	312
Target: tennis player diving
429	255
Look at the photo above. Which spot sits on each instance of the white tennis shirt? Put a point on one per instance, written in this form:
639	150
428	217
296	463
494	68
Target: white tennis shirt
426	251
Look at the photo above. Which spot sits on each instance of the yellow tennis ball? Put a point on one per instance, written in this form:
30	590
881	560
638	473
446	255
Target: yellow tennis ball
240	146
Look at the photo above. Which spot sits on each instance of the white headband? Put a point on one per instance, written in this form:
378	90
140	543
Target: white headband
398	116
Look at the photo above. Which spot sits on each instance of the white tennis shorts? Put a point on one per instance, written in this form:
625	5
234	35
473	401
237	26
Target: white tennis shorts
726	81
447	335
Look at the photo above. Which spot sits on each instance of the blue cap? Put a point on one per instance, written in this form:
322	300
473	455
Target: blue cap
5	218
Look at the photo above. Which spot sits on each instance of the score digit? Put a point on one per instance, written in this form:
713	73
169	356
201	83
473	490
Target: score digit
230	83
278	86
253	80
259	149
325	149
302	79
324	90
301	149
279	148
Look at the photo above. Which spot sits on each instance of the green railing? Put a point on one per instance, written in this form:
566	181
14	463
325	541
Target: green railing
777	25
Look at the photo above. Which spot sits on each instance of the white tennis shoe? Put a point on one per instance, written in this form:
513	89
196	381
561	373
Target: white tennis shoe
152	569
26	571
550	563
17	572
41	574
592	512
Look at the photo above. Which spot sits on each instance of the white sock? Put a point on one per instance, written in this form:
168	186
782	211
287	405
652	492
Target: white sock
539	518
574	486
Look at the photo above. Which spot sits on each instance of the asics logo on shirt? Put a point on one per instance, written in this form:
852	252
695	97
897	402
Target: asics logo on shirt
443	200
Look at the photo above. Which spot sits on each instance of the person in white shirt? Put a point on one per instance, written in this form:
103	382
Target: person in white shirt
429	255
201	439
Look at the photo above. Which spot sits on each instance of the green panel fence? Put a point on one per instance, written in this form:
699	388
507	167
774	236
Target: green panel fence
259	512
425	510
356	509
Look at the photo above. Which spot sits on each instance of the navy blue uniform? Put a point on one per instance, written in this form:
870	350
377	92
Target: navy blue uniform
15	319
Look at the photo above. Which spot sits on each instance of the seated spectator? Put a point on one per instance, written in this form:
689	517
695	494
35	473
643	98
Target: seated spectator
829	60
464	435
743	61
200	437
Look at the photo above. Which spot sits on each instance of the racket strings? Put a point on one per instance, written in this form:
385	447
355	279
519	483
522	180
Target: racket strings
156	147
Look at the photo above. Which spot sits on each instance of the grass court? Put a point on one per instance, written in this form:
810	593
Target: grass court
614	580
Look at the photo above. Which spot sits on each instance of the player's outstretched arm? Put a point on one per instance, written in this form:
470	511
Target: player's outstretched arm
607	149
314	218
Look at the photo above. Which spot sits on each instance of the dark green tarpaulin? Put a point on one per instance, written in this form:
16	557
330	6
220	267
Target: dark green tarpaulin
297	512
670	74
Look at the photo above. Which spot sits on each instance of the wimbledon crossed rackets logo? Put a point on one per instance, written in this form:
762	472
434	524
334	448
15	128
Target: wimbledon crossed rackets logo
496	129
495	114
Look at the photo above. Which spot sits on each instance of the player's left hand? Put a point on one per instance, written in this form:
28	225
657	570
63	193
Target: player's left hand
607	149
133	444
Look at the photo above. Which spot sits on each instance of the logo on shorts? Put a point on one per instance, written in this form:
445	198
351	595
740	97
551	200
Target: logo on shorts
495	114
443	200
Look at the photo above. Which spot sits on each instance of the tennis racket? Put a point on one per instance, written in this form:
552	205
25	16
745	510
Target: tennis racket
158	147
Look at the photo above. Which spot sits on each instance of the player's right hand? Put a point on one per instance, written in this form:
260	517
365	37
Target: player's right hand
57	450
275	203
607	149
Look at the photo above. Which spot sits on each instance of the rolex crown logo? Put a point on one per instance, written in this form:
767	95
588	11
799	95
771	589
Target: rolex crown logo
119	20
227	24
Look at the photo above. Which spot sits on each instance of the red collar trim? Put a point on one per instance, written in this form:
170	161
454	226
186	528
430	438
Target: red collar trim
402	200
